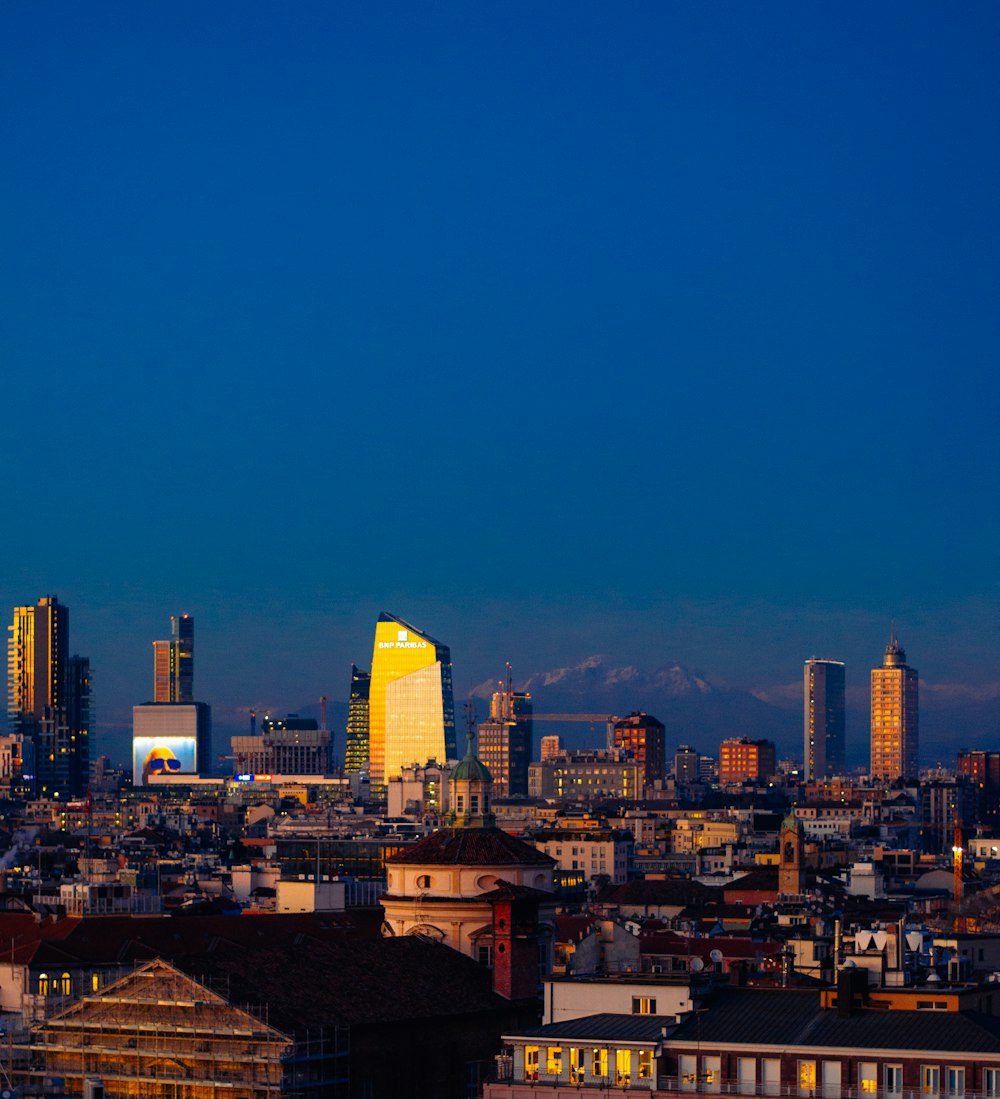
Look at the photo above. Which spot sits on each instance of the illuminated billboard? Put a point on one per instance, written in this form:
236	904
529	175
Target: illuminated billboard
163	755
182	729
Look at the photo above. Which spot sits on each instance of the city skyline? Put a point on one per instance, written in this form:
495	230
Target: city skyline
315	255
595	684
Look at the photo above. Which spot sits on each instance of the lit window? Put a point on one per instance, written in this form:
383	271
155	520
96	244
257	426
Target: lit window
553	1060
598	1063
645	1064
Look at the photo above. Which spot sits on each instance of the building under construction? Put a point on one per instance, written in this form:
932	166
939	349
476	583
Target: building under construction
160	1034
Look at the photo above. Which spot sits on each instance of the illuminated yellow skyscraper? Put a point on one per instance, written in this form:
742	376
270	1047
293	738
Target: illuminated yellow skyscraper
48	700
411	706
894	716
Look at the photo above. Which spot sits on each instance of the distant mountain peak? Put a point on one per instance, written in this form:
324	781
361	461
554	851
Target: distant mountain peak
597	677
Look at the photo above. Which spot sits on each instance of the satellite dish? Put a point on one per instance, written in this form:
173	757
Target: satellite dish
850	964
697	965
933	978
716	956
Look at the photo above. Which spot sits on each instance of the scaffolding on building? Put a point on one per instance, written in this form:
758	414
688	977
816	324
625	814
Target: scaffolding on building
160	1034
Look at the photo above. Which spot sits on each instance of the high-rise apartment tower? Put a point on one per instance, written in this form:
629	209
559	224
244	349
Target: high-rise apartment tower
411	706
48	700
823	722
895	729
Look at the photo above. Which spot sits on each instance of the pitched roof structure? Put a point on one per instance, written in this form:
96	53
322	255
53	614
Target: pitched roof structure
782	1017
127	940
356	983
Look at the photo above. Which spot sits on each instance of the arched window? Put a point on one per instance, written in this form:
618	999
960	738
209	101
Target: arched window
43	984
67	984
424	881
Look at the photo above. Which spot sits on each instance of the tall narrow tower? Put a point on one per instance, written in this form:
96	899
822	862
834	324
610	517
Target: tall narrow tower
44	706
895	726
182	638
823	725
356	743
173	662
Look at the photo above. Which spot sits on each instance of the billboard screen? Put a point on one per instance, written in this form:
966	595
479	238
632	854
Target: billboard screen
158	755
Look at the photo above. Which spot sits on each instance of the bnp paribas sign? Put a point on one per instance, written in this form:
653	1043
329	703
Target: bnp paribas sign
402	642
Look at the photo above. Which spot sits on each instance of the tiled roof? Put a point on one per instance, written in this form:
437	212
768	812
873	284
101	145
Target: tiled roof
784	1017
573	928
471	847
119	940
604	1027
356	983
507	891
762	879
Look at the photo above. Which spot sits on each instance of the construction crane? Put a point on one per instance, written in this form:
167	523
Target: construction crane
585	719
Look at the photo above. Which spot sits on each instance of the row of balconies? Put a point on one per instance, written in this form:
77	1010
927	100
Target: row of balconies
671	1085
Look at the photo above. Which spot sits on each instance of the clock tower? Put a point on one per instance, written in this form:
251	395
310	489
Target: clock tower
790	856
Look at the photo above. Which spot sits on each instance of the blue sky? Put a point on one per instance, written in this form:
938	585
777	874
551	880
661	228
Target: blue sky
667	331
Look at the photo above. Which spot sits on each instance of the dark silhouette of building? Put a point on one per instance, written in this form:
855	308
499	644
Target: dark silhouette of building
686	764
356	744
981	770
824	723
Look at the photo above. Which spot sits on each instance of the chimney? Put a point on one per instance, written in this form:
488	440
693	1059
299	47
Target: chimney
852	982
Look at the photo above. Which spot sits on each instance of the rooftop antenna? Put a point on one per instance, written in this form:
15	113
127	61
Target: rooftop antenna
322	711
253	722
470	722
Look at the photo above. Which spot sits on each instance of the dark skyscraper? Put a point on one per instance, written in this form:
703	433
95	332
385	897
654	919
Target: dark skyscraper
48	699
79	717
173	662
356	744
182	637
823	722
